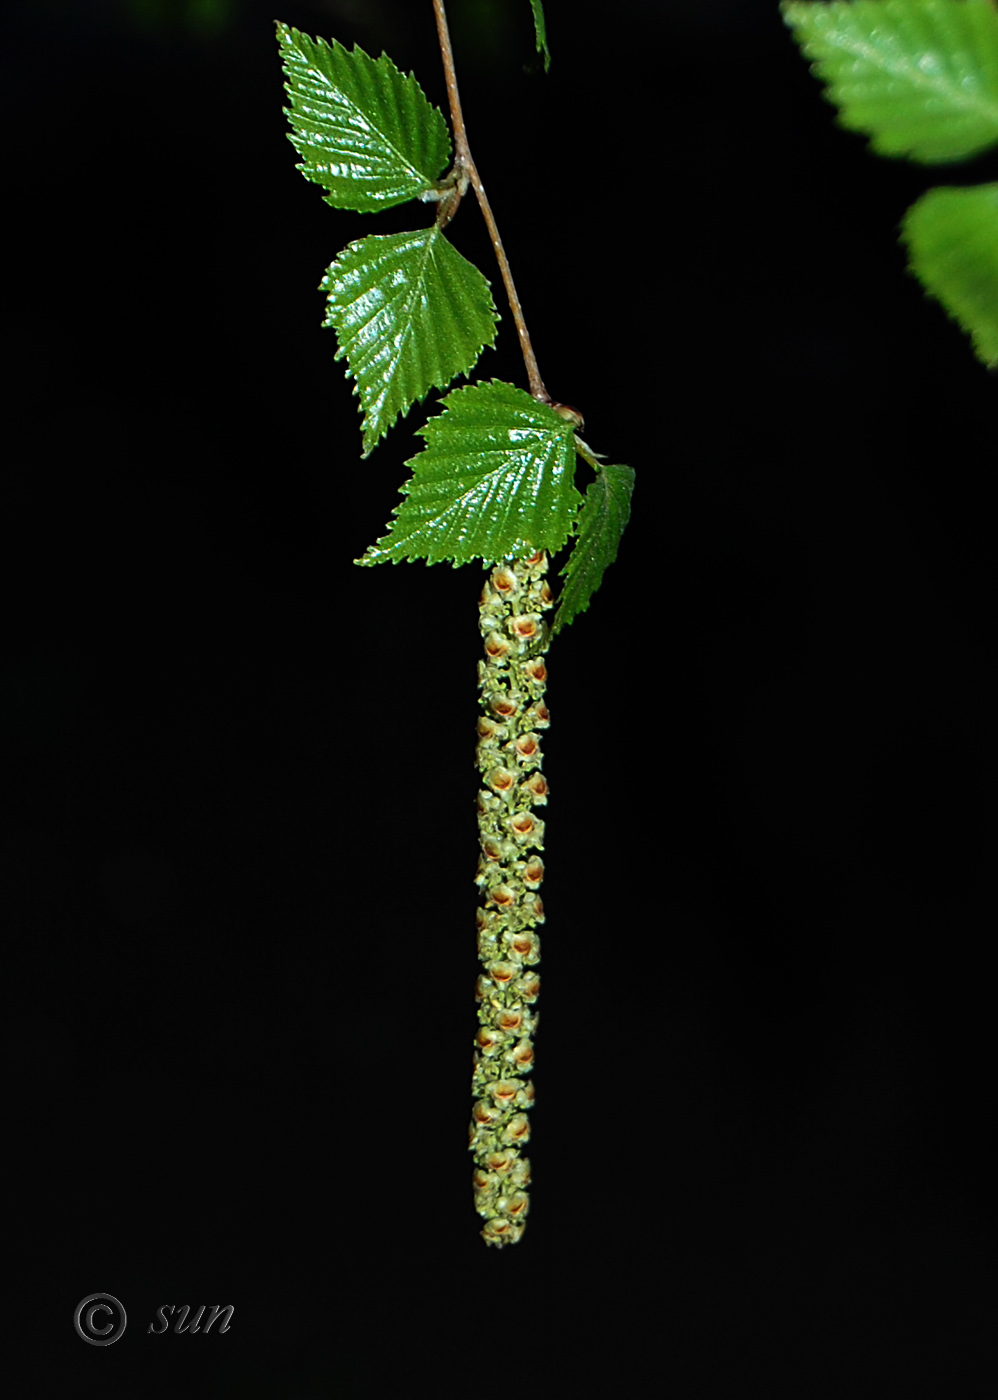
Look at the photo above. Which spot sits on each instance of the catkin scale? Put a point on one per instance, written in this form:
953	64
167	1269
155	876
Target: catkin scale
512	677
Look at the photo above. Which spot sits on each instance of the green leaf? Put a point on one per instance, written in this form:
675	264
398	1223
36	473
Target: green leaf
540	31
952	240
494	481
365	133
602	520
919	77
411	314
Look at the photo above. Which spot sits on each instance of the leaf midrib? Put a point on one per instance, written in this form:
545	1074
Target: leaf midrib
940	84
343	99
362	361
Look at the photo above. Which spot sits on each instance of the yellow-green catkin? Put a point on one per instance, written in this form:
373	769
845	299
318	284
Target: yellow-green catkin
512	678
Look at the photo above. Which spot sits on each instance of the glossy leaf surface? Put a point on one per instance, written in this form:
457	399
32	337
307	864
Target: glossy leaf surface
494	481
602	520
365	133
411	314
952	240
919	77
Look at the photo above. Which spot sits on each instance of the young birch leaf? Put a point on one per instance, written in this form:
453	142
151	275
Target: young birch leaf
365	133
919	77
540	32
411	314
494	481
602	520
952	239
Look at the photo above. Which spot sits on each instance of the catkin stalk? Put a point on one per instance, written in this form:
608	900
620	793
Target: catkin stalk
512	679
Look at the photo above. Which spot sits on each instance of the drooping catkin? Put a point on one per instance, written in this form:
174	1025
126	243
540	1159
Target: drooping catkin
512	679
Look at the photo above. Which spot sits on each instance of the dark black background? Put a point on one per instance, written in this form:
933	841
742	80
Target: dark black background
237	793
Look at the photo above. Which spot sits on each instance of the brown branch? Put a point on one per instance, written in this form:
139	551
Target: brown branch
466	170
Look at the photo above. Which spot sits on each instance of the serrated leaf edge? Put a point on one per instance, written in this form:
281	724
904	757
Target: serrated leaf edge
433	232
421	182
832	83
572	563
559	429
